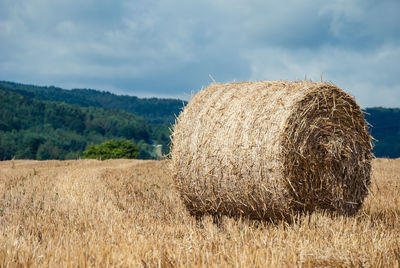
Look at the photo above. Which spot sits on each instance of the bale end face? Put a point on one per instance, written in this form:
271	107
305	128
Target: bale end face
327	153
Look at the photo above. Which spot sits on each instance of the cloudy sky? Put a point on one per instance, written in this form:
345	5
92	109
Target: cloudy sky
170	48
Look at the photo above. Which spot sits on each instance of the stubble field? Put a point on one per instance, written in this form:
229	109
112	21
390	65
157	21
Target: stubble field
127	213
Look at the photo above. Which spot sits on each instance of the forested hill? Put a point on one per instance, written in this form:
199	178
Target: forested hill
154	110
37	129
385	128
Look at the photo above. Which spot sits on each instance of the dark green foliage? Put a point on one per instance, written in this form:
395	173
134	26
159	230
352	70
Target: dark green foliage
116	123
146	150
35	129
112	149
153	110
24	108
385	128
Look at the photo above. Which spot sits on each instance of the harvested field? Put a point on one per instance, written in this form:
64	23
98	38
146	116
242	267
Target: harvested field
127	213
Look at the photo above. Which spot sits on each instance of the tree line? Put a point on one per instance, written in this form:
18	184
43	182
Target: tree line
153	110
37	129
385	129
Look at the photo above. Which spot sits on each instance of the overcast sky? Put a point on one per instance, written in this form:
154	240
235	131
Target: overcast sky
170	48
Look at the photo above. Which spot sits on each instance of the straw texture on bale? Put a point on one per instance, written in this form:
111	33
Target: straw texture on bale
269	150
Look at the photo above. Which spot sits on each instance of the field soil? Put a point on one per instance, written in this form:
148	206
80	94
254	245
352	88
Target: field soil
127	213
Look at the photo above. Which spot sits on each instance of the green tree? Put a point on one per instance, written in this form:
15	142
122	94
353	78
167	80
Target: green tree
112	149
50	150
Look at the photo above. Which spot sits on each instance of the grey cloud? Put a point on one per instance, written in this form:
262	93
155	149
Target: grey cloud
168	48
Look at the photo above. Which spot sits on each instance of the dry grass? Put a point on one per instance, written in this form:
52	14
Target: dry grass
127	213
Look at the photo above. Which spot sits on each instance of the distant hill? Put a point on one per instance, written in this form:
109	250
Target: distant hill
37	129
385	128
153	110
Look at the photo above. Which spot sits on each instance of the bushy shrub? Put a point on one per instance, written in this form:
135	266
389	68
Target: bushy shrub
112	149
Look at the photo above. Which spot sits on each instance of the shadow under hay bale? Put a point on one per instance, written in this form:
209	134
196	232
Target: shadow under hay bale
270	150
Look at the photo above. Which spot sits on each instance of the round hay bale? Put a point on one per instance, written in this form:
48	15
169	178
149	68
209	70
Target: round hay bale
269	150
